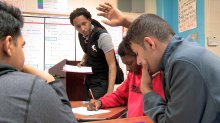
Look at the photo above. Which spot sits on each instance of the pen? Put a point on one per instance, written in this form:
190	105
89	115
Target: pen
91	94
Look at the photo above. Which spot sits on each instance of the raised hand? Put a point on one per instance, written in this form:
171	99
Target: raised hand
115	16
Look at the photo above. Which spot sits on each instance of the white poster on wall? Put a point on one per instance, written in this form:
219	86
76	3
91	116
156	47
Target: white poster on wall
186	15
59	41
33	33
53	5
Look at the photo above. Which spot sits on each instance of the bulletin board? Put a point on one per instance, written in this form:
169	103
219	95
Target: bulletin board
49	40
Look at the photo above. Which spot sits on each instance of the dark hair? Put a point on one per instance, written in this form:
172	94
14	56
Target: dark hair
83	11
11	21
78	12
149	25
124	49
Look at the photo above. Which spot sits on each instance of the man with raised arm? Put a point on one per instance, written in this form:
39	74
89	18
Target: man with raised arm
191	81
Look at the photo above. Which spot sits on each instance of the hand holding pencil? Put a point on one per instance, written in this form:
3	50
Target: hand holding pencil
94	104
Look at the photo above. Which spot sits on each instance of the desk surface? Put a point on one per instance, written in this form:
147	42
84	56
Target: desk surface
114	112
142	119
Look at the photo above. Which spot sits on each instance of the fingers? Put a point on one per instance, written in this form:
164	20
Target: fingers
107	22
93	105
102	14
104	7
109	5
146	85
145	67
79	65
101	9
145	70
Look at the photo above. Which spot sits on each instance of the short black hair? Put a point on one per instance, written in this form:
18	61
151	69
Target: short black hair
149	25
125	49
11	21
78	12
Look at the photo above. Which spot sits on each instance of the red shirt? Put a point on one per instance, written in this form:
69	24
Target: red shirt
128	93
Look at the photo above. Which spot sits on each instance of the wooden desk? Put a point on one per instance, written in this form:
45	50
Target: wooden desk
113	114
142	119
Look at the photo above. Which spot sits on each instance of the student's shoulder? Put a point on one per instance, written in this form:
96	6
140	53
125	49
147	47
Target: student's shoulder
27	80
22	83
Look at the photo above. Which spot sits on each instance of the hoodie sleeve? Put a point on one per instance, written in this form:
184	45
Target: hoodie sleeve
117	98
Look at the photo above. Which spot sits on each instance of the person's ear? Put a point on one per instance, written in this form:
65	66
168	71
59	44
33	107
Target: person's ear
150	42
7	45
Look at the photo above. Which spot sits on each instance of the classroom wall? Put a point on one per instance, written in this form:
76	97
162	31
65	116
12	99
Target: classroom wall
150	6
207	15
212	24
168	9
29	7
208	23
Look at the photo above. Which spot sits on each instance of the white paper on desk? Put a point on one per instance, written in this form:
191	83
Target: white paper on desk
84	111
82	69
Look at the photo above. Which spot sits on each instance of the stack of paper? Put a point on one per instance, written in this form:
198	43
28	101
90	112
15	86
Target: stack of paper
76	69
84	111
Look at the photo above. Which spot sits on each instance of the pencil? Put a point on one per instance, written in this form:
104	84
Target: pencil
90	91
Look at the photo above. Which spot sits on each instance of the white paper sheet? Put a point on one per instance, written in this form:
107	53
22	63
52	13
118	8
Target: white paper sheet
82	69
84	111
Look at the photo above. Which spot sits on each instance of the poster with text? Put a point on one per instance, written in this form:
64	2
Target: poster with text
59	41
186	15
33	33
52	5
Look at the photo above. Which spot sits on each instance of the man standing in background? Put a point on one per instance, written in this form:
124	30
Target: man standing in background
99	53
